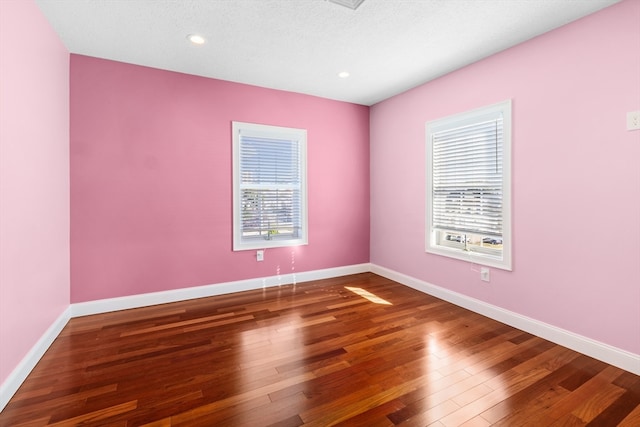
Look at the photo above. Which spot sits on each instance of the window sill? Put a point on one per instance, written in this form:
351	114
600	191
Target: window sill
469	256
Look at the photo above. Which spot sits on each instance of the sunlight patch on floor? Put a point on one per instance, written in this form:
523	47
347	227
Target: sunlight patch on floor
368	295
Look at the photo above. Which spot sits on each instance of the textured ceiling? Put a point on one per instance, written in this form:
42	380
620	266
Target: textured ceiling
388	46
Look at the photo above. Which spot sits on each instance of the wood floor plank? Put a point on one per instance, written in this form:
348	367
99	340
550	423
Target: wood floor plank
631	420
428	416
476	422
587	390
97	416
37	422
316	354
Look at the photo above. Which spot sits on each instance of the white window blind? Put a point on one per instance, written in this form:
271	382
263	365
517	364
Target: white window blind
467	177
468	186
269	186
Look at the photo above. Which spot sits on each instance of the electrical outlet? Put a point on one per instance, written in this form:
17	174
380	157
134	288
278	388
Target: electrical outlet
633	120
260	255
485	276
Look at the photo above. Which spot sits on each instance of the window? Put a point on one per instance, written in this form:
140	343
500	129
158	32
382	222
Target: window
469	186
269	186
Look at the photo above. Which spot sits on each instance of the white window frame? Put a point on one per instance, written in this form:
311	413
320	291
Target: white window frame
277	134
455	244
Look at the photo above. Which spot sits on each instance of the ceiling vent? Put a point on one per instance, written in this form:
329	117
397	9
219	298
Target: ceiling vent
351	4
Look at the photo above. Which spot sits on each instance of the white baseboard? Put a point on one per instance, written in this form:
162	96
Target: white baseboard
598	350
15	379
145	300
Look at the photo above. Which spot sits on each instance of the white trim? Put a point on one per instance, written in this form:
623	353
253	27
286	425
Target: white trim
293	135
144	300
15	379
598	350
504	262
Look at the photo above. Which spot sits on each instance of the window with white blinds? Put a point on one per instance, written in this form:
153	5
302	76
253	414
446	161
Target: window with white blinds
468	186
269	186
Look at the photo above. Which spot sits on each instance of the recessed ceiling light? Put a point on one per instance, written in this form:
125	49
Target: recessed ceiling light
343	74
196	39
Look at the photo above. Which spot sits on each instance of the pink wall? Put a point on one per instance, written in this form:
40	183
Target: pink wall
151	180
34	179
576	177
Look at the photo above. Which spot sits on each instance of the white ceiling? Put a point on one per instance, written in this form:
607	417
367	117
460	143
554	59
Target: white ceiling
388	46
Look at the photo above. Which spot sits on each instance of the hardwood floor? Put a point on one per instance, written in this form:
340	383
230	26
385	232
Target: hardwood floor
316	354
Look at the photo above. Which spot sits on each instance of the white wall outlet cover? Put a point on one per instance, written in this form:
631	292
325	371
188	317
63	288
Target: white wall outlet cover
633	120
484	274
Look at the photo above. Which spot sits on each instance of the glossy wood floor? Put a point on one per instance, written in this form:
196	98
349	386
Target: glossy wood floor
316	354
